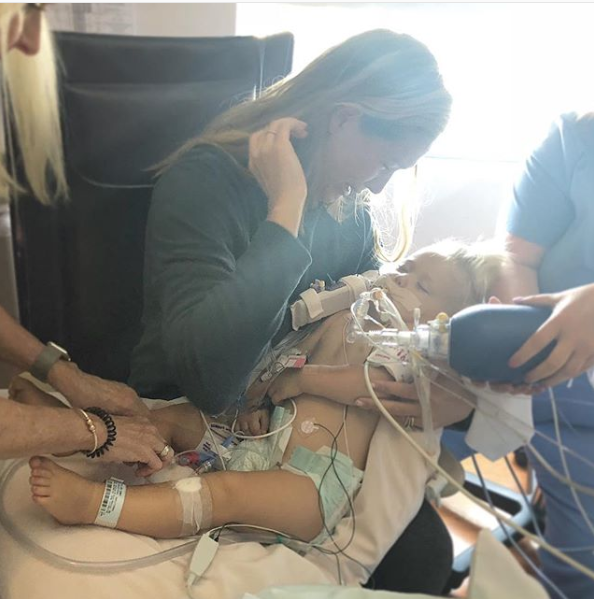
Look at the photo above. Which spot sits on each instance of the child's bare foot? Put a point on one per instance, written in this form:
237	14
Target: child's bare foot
68	497
24	391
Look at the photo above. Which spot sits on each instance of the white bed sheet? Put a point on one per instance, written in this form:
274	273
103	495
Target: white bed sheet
390	496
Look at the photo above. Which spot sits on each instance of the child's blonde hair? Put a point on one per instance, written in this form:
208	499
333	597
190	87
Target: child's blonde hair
30	103
482	261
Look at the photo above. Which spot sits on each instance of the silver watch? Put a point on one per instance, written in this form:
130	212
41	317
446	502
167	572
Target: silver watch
49	355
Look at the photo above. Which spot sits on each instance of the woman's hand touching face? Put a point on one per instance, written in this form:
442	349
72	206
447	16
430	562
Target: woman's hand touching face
276	167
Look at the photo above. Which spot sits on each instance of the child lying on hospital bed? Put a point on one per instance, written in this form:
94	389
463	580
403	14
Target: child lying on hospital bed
300	481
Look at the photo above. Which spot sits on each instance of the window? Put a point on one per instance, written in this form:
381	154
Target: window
511	69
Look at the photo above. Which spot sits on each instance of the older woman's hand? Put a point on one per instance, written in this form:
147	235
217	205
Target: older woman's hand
85	390
571	325
276	167
138	441
450	401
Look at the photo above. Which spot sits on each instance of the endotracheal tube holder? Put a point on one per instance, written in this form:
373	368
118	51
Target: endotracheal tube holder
477	342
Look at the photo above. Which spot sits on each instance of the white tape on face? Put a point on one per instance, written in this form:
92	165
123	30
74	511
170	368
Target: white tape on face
401	296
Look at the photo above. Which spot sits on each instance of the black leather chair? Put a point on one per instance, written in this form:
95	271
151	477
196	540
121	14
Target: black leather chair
128	103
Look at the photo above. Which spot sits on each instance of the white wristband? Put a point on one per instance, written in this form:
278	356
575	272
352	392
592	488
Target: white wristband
112	503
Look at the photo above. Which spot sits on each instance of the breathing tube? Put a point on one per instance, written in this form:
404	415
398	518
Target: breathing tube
476	342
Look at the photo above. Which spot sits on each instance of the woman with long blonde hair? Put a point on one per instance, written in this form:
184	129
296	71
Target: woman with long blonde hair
29	100
268	199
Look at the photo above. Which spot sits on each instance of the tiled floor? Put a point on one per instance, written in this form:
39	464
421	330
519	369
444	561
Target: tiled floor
464	519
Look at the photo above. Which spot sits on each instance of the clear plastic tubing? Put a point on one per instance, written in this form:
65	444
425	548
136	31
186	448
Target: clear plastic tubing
87	567
477	341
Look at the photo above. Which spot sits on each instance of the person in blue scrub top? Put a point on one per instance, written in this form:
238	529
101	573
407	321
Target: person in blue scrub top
550	234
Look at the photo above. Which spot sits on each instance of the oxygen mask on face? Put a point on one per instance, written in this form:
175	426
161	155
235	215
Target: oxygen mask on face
477	342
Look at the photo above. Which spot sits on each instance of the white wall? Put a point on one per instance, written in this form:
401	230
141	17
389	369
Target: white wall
154	19
192	19
463	198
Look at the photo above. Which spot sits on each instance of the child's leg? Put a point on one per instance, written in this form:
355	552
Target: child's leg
153	510
274	499
24	391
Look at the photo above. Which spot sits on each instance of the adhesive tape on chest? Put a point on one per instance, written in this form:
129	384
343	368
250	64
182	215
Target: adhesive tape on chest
308	426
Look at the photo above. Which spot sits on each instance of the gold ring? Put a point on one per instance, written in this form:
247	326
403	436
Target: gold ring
164	451
269	132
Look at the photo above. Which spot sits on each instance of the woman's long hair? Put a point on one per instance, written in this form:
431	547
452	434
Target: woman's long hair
392	78
30	103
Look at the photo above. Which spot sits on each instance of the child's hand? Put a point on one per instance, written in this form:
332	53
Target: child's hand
285	385
450	401
254	423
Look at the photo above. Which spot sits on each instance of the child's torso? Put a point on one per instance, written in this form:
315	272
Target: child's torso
355	436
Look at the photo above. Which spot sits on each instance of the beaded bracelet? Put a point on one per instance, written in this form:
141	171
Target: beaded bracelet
111	432
90	426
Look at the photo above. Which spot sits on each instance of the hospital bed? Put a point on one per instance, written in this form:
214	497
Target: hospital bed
88	299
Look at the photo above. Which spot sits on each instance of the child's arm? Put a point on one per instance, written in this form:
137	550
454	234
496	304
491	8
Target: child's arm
343	384
259	388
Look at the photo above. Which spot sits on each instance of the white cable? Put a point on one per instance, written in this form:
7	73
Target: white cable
346	408
541	542
344	430
510	417
567	481
278	533
215	446
271	433
256	527
88	567
539	573
527	502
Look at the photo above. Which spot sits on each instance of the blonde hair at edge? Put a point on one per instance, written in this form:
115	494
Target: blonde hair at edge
30	99
481	261
393	80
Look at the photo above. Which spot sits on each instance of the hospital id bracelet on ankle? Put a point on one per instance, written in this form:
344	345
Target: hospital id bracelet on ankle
112	502
111	432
